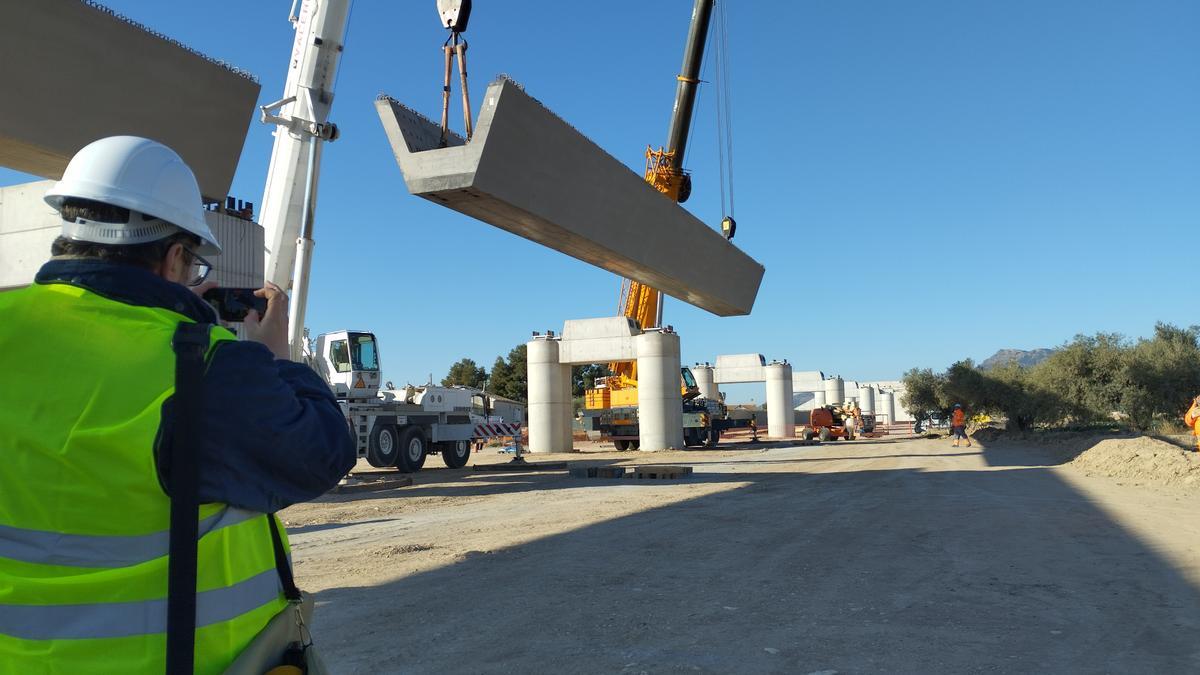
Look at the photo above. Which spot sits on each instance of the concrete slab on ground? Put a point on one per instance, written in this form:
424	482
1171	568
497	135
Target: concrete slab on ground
75	71
529	172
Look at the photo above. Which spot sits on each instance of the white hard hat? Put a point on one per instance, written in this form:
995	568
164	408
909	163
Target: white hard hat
138	174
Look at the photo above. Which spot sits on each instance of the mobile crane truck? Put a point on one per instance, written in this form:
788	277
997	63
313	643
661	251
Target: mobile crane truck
392	428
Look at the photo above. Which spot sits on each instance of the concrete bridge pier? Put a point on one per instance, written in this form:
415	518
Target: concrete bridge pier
549	411
660	405
781	421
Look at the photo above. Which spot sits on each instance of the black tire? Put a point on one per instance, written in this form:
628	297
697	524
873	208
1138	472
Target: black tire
384	447
412	451
621	445
634	445
825	435
456	453
714	437
808	435
691	436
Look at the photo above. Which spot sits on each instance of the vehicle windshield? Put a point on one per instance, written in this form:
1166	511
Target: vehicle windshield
362	351
339	357
688	380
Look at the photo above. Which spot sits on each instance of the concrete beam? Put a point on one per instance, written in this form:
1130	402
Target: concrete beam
739	368
530	173
76	72
603	340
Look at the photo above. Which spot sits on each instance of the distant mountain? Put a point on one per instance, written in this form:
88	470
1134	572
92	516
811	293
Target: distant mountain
1022	357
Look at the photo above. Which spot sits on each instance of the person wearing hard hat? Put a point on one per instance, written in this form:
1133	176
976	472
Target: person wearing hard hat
87	419
1192	419
958	425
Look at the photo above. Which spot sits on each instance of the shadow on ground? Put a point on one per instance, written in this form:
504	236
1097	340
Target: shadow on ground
863	571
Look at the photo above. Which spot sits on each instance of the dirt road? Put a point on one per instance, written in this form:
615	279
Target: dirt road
871	556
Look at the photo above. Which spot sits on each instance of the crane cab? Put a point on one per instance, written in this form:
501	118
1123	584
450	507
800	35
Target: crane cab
349	362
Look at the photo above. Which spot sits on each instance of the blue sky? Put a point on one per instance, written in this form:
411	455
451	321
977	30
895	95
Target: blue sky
924	181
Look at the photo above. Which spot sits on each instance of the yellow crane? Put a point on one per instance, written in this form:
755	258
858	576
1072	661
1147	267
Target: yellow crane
664	171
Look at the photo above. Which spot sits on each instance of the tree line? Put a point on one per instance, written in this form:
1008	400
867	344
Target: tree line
1102	379
509	376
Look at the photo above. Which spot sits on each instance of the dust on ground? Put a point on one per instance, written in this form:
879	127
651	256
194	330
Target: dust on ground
866	556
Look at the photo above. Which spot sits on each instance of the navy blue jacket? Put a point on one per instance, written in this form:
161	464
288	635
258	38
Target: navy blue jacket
273	432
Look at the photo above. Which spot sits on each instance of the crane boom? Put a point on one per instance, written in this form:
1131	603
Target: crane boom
664	171
301	119
688	79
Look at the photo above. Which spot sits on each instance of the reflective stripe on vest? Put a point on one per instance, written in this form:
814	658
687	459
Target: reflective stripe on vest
83	550
83	518
123	619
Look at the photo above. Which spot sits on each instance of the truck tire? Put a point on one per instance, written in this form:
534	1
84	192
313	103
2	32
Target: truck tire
456	453
825	435
634	445
689	437
412	451
808	435
384	448
621	445
714	437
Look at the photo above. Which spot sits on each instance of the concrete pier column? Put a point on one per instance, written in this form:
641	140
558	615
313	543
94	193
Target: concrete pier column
819	399
887	406
866	398
835	391
660	406
549	398
704	380
781	421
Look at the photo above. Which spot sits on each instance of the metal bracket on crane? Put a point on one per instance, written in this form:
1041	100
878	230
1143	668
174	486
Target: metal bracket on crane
295	125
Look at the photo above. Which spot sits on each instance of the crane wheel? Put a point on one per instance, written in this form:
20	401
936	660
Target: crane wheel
413	449
825	435
621	445
384	448
456	453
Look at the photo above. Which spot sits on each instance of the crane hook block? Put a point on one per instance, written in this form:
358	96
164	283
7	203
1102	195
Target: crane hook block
454	14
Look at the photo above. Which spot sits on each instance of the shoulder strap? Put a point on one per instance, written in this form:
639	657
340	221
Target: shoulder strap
190	344
282	565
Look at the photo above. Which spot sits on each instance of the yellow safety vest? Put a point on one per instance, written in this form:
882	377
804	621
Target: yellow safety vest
84	521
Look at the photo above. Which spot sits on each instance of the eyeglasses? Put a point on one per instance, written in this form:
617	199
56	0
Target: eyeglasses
199	268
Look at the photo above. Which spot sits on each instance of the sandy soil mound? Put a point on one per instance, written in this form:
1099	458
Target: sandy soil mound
1142	459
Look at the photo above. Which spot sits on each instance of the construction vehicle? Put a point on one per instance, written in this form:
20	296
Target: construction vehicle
612	404
392	427
400	427
829	423
703	418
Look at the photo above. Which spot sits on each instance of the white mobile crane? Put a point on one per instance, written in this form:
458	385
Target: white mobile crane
393	427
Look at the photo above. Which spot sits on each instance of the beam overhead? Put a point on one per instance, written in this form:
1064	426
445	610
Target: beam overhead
76	71
529	172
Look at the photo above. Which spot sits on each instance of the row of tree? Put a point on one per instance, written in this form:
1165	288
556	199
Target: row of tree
1105	378
509	376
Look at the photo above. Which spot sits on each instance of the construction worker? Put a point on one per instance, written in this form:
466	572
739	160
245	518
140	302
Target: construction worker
86	420
1192	419
852	417
958	425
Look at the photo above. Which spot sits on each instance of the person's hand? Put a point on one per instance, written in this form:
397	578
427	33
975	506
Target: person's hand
271	329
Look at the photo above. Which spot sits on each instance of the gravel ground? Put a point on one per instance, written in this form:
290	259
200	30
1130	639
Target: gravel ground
872	556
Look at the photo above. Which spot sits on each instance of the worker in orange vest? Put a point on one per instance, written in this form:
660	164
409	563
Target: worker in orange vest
958	425
1192	419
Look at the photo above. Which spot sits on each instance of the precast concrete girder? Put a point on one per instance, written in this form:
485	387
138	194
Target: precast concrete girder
75	72
527	171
